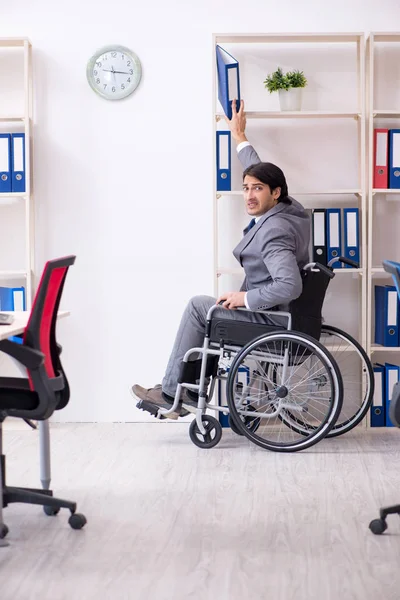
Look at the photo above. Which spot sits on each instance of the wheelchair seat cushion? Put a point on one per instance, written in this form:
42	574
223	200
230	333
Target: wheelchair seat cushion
239	333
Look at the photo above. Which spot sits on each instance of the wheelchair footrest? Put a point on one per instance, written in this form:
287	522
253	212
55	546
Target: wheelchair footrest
149	407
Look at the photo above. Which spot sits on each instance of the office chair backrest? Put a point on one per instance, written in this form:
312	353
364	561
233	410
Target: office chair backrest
40	332
306	310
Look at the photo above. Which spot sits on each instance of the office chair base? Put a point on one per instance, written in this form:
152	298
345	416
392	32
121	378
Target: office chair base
379	526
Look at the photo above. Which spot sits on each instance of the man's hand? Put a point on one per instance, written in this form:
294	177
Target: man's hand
237	124
232	300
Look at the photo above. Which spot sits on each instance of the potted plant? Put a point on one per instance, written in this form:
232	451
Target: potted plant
289	86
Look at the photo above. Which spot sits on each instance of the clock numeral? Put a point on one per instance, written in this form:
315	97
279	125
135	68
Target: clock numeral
97	80
123	56
131	71
105	57
98	64
122	86
129	79
113	54
95	73
113	89
128	64
105	85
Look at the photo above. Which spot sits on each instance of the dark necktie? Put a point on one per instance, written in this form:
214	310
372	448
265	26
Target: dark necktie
249	226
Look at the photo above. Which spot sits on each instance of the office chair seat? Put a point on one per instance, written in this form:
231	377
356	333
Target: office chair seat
16	393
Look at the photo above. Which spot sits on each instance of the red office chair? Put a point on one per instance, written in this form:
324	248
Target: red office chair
44	390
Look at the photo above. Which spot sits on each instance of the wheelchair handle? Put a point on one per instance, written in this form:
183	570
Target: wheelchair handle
345	261
315	265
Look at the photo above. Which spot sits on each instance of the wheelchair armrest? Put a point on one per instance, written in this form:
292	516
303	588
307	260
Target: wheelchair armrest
29	357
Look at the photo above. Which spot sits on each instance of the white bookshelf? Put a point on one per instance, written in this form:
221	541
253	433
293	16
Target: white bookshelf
382	54
351	114
19	50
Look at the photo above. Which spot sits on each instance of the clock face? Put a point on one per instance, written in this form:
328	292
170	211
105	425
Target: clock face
114	72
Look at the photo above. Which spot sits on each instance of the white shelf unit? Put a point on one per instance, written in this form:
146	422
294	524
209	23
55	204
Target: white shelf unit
382	52
21	122
356	112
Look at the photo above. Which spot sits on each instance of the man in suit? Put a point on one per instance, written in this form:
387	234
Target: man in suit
272	251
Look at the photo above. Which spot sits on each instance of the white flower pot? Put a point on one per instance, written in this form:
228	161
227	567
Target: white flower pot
290	99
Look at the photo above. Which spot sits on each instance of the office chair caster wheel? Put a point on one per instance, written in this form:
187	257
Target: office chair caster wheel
51	511
3	531
378	526
251	423
211	437
77	521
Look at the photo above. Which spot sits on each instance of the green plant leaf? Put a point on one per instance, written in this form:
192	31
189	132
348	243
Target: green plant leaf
281	81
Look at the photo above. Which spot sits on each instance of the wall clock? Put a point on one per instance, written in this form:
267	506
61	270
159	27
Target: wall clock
114	72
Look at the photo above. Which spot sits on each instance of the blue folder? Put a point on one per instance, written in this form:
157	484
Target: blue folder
386	315
18	162
223	150
378	407
5	162
333	235
12	299
228	81
392	377
351	234
394	158
243	378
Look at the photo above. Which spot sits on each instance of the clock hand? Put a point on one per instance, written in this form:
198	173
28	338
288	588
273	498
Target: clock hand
112	71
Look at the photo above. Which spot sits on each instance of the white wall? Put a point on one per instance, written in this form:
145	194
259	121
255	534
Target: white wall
126	185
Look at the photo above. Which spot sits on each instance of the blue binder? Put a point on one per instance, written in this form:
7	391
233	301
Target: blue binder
378	407
333	235
12	299
243	378
18	162
351	235
386	315
228	80
223	161
394	158
5	162
392	377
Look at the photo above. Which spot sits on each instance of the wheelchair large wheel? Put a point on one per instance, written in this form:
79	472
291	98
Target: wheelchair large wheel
357	376
283	389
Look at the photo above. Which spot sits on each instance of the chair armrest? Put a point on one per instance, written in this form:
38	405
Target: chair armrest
29	357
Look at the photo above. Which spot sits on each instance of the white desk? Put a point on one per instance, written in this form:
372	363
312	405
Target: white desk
21	319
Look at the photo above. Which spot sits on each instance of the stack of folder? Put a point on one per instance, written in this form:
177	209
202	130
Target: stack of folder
386	376
386	159
328	240
12	162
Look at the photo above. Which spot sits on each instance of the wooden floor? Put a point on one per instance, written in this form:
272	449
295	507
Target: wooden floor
168	521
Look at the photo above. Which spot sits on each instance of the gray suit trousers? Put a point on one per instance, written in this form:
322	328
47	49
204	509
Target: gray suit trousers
191	333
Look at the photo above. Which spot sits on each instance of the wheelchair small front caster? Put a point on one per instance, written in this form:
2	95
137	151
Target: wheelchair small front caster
51	511
212	435
378	526
3	531
77	521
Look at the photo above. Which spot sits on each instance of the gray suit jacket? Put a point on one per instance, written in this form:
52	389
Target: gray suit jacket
273	251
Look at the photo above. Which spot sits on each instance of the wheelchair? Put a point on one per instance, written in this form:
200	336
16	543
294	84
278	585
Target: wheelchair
287	387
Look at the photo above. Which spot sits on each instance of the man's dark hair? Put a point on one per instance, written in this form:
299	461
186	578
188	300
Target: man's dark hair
270	175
